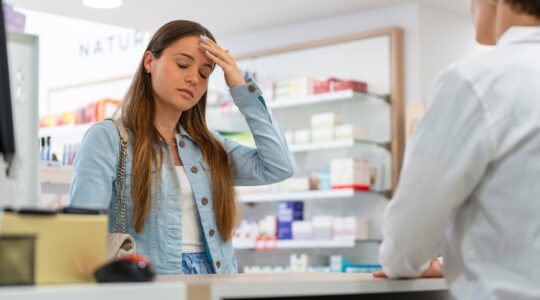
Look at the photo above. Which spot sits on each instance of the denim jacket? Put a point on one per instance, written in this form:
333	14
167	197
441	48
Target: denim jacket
94	182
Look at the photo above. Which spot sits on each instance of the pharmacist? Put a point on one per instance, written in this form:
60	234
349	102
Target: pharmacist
471	176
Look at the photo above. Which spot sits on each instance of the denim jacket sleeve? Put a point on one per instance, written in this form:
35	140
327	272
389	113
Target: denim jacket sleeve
94	169
271	161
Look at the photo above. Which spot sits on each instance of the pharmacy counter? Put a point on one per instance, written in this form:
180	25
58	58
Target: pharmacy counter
336	286
319	285
110	291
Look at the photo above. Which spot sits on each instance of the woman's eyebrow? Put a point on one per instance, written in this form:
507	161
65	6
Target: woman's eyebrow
186	55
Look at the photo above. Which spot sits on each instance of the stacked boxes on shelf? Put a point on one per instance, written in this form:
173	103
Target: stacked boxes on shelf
298	87
350	173
93	112
327	85
284	90
326	127
289	224
323	126
288	212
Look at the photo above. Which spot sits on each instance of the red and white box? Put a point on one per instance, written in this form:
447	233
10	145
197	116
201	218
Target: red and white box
326	85
357	86
350	173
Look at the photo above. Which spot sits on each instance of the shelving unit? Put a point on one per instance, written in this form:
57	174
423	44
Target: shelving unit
298	244
56	174
289	102
304	196
293	113
65	130
336	144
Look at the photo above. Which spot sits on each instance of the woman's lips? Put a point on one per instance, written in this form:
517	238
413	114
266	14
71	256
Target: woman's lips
188	92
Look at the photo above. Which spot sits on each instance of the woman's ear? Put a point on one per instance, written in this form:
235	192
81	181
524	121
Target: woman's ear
148	61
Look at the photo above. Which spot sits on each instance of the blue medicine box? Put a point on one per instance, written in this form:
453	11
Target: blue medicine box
287	212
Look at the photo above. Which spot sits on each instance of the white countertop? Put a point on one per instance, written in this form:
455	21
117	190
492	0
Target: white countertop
217	287
110	291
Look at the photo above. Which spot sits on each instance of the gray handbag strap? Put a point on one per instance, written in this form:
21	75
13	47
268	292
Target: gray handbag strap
120	206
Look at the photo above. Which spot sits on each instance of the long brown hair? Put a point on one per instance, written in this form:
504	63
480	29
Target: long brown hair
138	113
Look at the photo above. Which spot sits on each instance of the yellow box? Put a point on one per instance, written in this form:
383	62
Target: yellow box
69	248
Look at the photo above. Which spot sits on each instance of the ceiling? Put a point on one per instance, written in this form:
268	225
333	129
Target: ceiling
225	17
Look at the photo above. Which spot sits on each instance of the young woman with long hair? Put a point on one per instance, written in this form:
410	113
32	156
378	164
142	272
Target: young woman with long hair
180	177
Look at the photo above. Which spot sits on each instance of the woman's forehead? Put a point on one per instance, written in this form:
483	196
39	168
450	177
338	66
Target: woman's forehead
189	47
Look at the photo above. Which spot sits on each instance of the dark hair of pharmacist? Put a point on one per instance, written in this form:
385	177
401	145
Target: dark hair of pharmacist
530	7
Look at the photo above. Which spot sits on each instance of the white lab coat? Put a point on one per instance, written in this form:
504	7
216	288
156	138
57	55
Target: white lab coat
470	184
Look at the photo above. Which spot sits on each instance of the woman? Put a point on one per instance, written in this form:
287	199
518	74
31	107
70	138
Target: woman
180	177
471	177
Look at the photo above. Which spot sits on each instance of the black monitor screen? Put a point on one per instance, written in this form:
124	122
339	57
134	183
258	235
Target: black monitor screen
7	141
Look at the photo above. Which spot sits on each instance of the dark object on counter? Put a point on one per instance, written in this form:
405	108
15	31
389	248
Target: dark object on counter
83	211
128	269
65	210
31	211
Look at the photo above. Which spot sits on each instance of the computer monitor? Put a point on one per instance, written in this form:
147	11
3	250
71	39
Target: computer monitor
7	139
19	118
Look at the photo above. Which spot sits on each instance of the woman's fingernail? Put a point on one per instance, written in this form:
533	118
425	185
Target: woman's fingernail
204	37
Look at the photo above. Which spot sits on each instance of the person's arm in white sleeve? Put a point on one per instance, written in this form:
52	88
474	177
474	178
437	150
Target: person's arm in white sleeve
444	161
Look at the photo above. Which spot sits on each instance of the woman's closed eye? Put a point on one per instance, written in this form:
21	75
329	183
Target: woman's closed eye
184	66
204	76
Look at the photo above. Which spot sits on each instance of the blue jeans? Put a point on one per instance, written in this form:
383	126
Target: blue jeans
196	263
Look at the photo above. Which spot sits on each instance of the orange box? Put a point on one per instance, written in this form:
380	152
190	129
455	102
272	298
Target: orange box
106	108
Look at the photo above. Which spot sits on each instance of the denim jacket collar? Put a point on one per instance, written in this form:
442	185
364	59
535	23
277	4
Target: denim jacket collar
183	133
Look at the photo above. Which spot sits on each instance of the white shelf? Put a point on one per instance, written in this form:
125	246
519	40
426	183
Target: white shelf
286	102
65	130
331	145
297	244
310	195
295	101
220	120
55	175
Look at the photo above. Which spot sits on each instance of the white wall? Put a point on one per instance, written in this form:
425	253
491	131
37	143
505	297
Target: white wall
445	37
405	16
433	39
74	51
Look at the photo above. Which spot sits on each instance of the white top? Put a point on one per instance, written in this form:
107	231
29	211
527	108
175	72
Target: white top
471	177
192	241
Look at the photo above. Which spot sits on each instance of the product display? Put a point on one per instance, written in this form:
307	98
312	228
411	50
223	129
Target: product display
301	136
350	132
350	173
293	88
301	263
287	213
289	225
326	85
93	112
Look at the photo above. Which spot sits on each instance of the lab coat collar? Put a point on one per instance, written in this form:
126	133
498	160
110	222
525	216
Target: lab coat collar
520	34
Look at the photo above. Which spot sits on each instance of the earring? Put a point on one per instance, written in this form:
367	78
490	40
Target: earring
147	71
